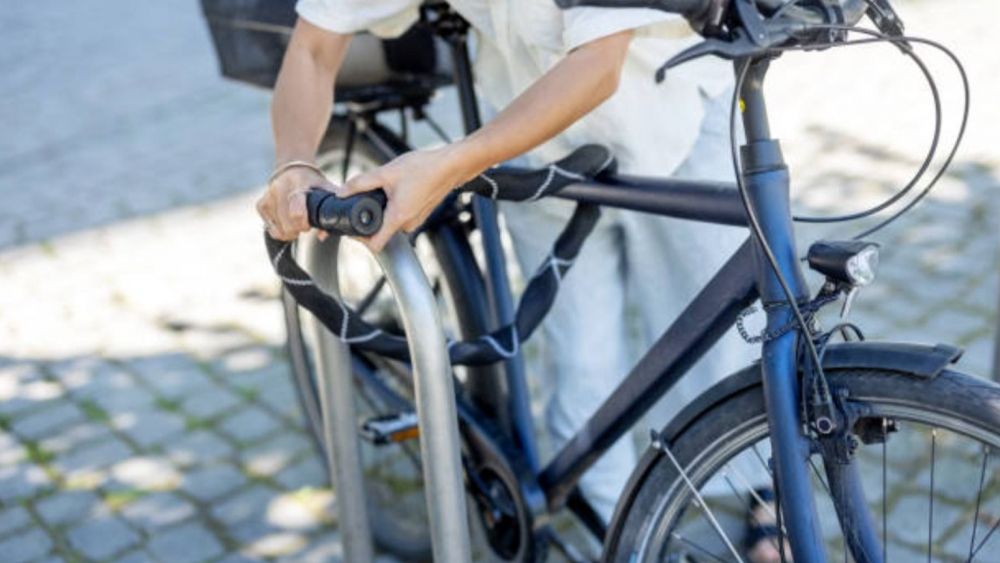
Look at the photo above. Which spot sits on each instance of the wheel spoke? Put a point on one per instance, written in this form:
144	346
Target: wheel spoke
699	500
697	546
930	511
819	476
985	539
746	503
369	297
885	492
979	499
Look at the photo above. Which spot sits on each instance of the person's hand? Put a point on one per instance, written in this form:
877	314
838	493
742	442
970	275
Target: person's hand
283	205
414	184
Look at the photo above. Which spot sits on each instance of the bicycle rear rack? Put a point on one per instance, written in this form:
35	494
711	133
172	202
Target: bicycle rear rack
436	412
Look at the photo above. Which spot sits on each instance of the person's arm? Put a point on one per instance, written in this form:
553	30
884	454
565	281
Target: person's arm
300	111
416	182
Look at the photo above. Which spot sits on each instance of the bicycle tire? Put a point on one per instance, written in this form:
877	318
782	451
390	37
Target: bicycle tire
951	401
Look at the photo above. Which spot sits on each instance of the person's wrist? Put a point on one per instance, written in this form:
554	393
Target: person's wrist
466	160
298	168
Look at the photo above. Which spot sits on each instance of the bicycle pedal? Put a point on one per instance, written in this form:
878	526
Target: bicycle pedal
391	428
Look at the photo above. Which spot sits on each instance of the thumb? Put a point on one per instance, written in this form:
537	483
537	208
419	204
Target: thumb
390	226
365	182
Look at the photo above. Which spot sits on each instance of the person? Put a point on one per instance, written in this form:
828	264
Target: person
559	79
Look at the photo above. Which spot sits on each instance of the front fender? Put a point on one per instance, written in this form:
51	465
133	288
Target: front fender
918	360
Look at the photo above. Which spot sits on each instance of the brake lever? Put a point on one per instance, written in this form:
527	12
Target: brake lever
752	38
739	46
885	18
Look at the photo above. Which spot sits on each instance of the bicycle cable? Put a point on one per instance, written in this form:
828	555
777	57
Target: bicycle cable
922	169
823	392
880	37
758	231
876	37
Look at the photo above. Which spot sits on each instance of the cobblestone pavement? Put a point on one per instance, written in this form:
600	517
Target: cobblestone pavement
145	409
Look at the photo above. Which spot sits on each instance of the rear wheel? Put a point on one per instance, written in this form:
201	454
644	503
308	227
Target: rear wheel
932	486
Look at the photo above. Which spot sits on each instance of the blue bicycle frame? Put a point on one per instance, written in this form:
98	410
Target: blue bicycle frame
744	278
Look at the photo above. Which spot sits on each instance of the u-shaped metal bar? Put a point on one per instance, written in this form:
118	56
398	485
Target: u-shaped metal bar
435	393
436	411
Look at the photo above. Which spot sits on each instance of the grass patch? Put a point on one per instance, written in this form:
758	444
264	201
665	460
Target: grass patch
192	423
248	393
4	422
94	412
168	405
119	499
38	454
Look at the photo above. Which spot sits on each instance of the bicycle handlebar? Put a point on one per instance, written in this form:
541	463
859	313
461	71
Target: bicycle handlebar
358	216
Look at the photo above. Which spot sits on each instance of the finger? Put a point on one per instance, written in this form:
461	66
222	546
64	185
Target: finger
419	220
282	212
265	211
297	215
362	183
390	225
322	235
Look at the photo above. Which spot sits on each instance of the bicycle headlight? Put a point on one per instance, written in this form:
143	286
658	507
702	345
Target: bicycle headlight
863	266
851	262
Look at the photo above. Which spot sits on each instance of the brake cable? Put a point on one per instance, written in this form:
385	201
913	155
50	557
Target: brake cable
822	393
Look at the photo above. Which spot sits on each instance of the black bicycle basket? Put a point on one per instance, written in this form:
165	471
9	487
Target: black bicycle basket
250	37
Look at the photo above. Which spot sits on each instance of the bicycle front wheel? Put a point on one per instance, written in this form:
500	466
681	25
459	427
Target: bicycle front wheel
932	485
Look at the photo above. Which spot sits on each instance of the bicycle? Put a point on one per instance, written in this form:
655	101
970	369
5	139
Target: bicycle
832	411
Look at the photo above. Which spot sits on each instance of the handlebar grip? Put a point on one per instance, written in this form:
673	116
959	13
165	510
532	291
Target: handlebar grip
359	215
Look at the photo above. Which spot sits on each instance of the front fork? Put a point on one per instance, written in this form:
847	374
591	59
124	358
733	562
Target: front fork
767	183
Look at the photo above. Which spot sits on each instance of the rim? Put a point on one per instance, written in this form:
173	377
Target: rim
948	436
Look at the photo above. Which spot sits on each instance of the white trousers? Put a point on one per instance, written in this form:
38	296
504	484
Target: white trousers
634	276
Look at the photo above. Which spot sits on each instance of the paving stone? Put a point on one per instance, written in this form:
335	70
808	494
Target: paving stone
200	446
282	398
21	481
250	504
11	450
270	457
149	428
212	482
12	519
303	510
239	558
328	547
276	545
94	379
130	399
75	436
172	376
29	395
43	422
210	402
26	546
307	472
249	424
137	556
246	360
67	506
185	544
146	473
100	538
92	457
157	510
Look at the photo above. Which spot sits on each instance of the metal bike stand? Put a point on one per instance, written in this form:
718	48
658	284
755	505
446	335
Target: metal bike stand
336	396
436	411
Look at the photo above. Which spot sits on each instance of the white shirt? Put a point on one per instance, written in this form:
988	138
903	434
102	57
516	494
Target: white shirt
650	127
